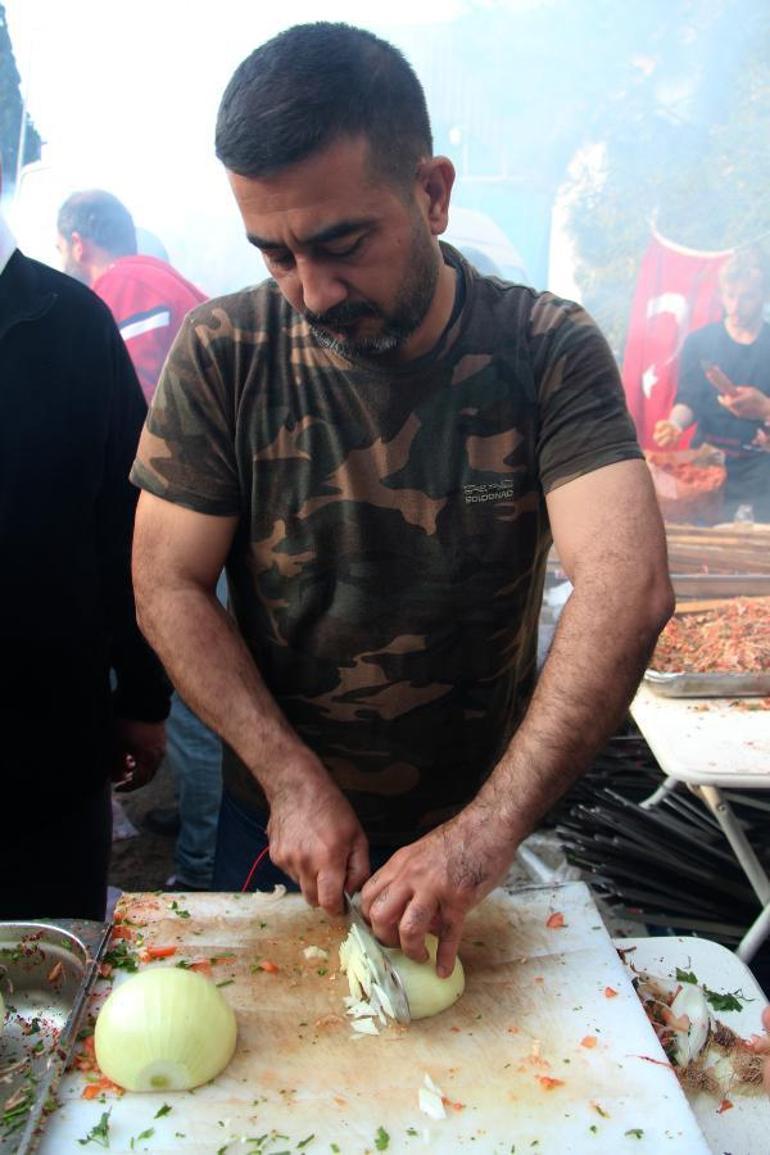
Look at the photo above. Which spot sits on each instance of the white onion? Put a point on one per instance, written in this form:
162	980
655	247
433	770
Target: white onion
426	993
164	1029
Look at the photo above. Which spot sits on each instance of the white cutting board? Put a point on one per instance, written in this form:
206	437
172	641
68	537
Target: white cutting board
533	995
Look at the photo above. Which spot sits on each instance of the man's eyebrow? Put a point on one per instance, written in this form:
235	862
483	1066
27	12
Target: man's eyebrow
322	237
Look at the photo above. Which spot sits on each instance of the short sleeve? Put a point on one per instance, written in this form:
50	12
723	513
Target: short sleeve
692	380
186	453
584	420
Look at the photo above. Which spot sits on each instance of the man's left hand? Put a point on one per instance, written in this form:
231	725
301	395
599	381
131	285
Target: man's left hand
139	750
429	886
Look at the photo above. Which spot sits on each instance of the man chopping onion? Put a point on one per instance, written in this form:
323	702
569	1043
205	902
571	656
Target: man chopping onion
380	445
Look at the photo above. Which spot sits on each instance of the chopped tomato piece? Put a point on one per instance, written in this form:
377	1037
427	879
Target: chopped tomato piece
610	993
99	1087
272	968
555	921
549	1083
725	1105
152	952
589	1041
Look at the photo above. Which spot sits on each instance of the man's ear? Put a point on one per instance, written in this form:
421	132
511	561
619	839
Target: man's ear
435	178
77	247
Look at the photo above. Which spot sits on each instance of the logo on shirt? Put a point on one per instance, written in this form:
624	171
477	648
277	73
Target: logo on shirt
489	491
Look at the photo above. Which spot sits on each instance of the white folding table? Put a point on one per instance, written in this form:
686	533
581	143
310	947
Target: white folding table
712	745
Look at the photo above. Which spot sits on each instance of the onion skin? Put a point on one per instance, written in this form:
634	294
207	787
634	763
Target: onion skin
426	993
164	1029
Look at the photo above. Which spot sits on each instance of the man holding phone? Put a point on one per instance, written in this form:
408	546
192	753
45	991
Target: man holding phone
724	384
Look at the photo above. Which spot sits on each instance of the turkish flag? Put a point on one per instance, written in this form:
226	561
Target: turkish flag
677	291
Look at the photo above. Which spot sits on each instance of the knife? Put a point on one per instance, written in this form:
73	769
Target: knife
385	973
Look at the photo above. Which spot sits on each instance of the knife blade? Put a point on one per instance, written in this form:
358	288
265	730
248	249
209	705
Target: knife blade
386	975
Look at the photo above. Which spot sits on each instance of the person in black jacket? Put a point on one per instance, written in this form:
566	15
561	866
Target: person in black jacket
71	411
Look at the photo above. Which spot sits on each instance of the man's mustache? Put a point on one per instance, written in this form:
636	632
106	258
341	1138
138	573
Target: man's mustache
344	314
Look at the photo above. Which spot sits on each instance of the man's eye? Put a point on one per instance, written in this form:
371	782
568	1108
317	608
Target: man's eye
347	251
280	260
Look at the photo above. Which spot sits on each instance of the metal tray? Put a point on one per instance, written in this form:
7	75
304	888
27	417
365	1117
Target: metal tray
720	585
708	685
44	1003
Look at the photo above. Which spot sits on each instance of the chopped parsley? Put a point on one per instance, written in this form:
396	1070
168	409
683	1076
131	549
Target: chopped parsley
382	1139
164	1110
635	1133
177	909
99	1133
148	1134
729	1001
121	957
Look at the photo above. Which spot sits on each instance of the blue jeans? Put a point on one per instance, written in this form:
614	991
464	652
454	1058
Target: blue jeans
194	756
242	836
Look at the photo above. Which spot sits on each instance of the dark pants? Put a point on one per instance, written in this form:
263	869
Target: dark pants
55	857
241	838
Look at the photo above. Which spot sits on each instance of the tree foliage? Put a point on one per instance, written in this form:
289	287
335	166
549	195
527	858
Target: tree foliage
683	147
11	110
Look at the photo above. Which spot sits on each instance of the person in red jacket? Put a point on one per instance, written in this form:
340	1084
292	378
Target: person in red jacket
147	297
149	300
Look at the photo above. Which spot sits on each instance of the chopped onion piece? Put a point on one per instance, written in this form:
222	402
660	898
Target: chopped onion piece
315	952
365	1026
431	1101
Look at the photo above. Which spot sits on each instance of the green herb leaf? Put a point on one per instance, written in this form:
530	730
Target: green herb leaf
382	1139
148	1134
99	1133
726	1002
305	1142
637	1132
685	976
177	909
164	1110
121	957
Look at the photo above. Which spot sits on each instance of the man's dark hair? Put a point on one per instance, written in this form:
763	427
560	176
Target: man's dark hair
313	84
101	218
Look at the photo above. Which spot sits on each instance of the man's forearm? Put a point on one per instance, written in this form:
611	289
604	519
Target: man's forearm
598	655
212	669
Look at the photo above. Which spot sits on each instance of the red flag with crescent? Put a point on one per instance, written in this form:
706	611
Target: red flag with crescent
677	291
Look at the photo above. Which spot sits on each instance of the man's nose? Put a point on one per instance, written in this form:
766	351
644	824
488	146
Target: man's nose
321	287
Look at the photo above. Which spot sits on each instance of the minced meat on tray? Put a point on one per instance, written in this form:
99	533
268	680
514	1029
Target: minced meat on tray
734	638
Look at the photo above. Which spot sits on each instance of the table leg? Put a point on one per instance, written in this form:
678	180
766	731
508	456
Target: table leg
754	936
735	835
666	787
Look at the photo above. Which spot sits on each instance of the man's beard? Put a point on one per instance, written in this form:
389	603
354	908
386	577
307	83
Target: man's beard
413	300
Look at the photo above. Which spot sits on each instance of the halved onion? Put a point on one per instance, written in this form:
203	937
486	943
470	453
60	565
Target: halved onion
426	993
164	1029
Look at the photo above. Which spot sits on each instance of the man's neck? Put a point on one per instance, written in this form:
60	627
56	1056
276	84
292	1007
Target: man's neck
437	320
743	334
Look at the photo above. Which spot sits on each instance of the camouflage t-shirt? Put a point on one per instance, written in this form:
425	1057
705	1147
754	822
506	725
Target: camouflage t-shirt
388	565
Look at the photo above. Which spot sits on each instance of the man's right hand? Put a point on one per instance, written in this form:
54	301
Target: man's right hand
316	838
666	433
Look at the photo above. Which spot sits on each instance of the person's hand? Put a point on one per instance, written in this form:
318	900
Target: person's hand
316	838
138	752
430	885
747	402
719	379
761	1045
666	433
